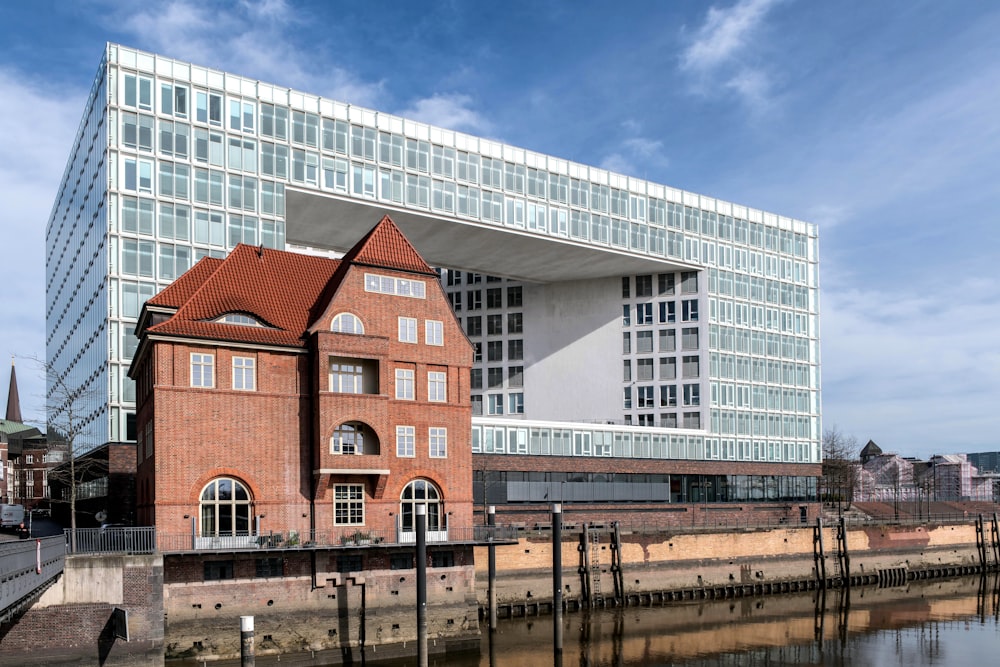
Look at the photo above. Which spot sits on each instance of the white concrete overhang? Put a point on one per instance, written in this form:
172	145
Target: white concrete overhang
335	222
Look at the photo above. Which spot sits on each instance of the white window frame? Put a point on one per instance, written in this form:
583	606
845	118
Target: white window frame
349	501
407	329
205	363
406	442
437	442
405	389
348	323
244	374
345	368
434	332
437	386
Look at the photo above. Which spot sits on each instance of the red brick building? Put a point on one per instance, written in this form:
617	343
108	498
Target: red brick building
285	392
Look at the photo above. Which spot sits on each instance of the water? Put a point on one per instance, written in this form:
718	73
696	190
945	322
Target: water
953	623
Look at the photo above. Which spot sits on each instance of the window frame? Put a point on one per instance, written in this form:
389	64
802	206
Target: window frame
205	362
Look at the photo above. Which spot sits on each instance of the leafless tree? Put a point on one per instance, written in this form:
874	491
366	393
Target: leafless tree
66	430
840	467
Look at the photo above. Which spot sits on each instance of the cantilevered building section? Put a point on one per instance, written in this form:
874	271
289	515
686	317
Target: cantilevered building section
661	323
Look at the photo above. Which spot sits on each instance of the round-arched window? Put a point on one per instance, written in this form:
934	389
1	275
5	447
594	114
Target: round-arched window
349	438
347	323
421	492
226	508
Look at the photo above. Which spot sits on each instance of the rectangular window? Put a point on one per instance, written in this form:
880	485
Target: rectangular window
437	442
407	330
515	376
689	282
405	436
494	325
644	313
494	297
514	323
404	384
644	370
495	406
690	310
668	397
476	378
494	377
345	376
643	341
515	403
668	312
415	289
437	386
644	285
514	296
494	350
349	504
202	370
474	325
244	376
689	338
668	368
434	332
692	394
515	349
665	283
690	367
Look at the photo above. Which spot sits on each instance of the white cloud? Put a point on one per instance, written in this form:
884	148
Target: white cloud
39	127
717	54
253	38
724	34
916	373
453	111
636	154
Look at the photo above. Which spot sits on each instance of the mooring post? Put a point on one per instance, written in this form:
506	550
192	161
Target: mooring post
818	553
557	607
421	585
246	641
491	521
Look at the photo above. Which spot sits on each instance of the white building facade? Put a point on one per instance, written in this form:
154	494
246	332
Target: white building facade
590	296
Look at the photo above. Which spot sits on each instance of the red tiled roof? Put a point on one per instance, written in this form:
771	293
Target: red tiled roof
385	246
179	291
278	288
283	290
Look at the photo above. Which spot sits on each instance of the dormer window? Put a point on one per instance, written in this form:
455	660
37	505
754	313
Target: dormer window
347	323
241	319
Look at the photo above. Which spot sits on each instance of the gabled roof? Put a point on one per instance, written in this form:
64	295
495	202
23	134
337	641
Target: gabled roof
386	247
285	291
871	449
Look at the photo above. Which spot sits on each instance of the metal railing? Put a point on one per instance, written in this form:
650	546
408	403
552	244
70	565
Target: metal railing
127	540
28	567
347	537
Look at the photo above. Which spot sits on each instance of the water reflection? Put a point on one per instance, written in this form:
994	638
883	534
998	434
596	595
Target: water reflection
953	622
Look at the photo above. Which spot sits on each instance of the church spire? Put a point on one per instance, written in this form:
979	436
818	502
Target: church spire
13	401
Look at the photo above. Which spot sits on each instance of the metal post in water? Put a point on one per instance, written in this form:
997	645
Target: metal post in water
246	641
491	521
421	585
557	607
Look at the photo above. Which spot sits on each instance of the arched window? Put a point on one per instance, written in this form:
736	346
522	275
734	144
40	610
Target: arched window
425	493
354	438
347	323
226	508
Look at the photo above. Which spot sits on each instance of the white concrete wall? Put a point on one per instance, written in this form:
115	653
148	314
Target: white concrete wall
573	364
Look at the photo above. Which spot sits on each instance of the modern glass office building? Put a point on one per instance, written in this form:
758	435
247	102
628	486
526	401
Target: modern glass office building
677	326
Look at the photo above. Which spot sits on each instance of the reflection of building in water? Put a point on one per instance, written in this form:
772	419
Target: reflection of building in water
776	627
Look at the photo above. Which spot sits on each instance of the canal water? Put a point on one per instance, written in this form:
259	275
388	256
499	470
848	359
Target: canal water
952	623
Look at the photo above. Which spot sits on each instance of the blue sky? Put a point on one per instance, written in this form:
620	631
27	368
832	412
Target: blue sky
878	121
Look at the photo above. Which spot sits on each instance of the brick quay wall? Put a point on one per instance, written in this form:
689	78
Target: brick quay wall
335	605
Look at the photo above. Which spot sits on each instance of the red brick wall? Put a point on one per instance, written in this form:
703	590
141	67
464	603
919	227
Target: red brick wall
274	438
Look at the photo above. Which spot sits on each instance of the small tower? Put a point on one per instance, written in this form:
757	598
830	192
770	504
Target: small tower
13	401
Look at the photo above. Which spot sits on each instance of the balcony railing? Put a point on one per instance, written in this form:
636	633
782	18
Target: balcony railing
146	540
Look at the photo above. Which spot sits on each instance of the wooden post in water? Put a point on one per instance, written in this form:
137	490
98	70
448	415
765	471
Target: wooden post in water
246	641
421	585
818	554
491	521
557	607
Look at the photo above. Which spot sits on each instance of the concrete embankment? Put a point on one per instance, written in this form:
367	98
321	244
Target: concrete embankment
666	566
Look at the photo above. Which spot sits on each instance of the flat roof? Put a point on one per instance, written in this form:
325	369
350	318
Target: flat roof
332	222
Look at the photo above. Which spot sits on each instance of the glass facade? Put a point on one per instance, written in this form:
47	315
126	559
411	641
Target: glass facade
174	161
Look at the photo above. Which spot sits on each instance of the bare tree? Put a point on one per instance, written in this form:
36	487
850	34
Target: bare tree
66	428
840	467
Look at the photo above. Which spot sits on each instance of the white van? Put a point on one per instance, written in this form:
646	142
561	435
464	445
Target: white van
11	516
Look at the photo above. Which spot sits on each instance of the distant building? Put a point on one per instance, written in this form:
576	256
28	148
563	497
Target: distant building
25	458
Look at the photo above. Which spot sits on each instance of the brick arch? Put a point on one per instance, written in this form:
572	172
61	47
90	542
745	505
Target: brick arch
194	494
429	475
361	420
